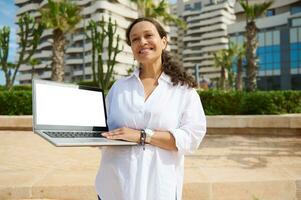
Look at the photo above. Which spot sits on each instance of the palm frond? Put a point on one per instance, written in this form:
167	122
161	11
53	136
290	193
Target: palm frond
253	11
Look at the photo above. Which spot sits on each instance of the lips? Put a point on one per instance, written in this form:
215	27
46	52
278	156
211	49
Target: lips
145	50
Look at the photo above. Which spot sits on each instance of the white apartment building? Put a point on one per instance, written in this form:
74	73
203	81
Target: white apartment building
206	33
78	55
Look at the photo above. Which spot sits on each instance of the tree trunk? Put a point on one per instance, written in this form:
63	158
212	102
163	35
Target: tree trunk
58	56
223	78
239	75
8	81
251	56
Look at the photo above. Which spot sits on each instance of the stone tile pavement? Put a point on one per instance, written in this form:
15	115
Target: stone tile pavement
226	167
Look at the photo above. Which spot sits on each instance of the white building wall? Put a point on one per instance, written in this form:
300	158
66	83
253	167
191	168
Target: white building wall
78	50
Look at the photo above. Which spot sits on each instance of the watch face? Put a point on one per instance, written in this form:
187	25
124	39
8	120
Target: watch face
148	131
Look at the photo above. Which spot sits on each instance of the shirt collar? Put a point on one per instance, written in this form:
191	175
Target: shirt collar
163	76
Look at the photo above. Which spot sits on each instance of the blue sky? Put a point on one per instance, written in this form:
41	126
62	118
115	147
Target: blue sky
7	18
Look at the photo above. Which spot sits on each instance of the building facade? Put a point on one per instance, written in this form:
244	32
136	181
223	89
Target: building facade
206	33
78	55
279	44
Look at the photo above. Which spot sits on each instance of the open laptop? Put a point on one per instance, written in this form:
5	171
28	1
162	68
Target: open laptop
70	115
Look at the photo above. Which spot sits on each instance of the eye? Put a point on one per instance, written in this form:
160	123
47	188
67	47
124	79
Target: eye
149	35
134	39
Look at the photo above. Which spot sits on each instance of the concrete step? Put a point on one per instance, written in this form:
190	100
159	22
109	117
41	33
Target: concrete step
226	167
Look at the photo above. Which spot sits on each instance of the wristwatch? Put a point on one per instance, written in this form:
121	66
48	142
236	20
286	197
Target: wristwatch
149	133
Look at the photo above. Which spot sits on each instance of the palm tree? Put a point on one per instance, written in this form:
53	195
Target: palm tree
147	8
252	12
240	54
223	59
61	16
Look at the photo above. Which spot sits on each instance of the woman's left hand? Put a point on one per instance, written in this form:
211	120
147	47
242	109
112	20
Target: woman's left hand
123	133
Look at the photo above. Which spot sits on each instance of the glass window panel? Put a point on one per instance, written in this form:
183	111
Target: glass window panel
299	33
293	35
277	58
296	22
269	58
259	51
262	66
294	55
268	38
276	37
262	58
277	65
294	64
295	9
261	39
269	49
269	66
294	46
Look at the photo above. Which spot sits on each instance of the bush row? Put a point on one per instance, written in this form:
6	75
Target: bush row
15	102
242	103
18	102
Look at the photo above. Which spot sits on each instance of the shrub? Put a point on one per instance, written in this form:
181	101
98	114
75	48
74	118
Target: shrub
215	102
15	102
259	102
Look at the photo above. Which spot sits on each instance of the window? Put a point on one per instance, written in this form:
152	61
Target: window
198	6
261	39
187	7
268	38
296	22
295	9
276	37
293	35
270	12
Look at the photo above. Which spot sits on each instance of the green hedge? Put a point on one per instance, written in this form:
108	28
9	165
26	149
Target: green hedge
215	102
15	102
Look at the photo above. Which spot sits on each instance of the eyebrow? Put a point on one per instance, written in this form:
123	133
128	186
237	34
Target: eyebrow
146	31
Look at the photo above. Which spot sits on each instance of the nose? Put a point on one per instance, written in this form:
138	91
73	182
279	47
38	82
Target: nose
143	41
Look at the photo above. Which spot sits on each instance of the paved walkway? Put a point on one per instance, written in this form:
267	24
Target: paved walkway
226	167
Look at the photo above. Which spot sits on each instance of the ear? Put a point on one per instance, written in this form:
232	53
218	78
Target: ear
164	42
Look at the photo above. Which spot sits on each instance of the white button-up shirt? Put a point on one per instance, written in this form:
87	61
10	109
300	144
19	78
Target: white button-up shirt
131	173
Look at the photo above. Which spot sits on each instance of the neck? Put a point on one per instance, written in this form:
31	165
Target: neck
151	70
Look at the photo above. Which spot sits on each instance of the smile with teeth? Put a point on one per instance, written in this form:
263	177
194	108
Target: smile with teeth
145	50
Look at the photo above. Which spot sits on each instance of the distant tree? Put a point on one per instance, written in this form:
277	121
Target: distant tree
33	62
147	8
252	11
224	59
29	34
61	16
240	54
100	32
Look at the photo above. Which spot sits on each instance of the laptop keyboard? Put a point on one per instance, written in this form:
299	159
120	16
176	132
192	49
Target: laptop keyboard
73	134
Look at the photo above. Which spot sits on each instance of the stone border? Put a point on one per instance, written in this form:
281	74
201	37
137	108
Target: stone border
288	124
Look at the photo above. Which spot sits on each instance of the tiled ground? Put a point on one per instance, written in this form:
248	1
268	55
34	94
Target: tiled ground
229	167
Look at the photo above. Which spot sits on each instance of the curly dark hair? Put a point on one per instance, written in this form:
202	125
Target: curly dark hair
170	67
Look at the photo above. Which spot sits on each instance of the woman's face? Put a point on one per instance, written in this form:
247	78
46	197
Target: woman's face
146	43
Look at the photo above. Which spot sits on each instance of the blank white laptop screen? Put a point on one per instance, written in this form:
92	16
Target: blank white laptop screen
68	106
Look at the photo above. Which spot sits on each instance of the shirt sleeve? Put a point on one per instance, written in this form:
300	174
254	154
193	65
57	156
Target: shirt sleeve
192	129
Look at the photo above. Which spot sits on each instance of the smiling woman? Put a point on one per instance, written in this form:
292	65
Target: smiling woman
7	18
158	108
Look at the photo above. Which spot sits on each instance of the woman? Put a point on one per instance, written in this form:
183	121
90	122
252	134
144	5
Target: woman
158	108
